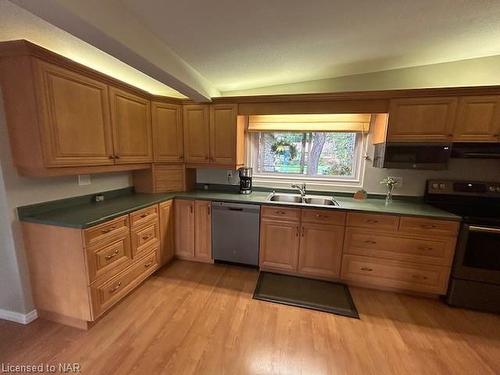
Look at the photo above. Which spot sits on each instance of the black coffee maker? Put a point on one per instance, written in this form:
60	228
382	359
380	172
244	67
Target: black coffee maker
245	180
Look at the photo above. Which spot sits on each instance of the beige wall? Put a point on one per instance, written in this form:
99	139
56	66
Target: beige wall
17	191
472	72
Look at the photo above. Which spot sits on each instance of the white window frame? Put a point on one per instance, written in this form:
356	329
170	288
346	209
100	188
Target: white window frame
313	183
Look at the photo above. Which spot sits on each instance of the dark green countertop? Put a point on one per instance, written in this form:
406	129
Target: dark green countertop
87	214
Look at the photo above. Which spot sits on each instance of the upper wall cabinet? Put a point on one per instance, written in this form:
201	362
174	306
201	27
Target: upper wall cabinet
74	117
214	135
478	119
168	134
131	120
421	120
196	133
66	119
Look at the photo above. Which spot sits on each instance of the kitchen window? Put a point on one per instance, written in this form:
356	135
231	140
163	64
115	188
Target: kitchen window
323	154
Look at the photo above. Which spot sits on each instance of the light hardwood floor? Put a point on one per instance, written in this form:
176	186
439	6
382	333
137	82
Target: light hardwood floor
193	318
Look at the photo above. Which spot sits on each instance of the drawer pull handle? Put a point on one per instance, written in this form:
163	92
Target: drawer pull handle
280	212
111	256
366	269
147	265
425	248
117	286
147	237
319	216
144	215
104	231
371	221
371	242
429	226
419	277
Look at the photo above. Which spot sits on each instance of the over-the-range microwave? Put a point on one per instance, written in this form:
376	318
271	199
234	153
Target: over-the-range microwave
412	155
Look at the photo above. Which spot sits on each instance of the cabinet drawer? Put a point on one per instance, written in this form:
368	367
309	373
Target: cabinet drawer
395	275
374	222
143	216
280	213
432	250
428	226
106	294
107	232
109	259
144	237
323	217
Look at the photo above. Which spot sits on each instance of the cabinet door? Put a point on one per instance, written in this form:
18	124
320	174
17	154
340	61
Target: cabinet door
421	119
321	250
131	120
196	133
478	119
279	245
166	212
76	127
167	132
203	231
184	228
223	134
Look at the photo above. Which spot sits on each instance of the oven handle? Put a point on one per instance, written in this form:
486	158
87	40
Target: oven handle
473	228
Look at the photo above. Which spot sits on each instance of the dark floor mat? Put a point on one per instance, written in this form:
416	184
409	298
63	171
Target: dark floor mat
312	294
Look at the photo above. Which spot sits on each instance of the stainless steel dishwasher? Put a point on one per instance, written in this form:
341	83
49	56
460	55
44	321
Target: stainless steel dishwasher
235	232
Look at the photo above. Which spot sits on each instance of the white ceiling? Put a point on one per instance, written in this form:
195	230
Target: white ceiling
247	44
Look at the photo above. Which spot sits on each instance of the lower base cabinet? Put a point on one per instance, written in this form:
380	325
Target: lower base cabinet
166	214
307	242
279	245
77	275
193	230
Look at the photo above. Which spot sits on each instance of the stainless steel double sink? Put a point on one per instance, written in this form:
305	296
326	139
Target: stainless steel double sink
316	200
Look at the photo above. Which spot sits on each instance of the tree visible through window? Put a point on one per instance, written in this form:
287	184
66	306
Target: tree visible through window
314	154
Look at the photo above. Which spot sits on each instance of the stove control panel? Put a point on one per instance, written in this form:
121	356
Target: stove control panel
473	188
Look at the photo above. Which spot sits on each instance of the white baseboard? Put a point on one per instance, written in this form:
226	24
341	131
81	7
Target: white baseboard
18	317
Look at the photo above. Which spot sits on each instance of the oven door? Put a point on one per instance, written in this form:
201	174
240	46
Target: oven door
478	254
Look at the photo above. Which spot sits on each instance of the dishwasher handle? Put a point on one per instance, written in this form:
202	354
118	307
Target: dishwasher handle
239	207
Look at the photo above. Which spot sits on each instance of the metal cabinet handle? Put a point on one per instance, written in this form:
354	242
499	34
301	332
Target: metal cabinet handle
147	265
319	216
111	256
191	208
280	212
111	157
117	156
104	231
428	226
371	242
297	232
371	221
303	231
144	215
146	237
209	209
366	269
425	248
117	286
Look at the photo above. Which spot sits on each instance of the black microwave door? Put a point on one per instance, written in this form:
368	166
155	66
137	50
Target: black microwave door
416	156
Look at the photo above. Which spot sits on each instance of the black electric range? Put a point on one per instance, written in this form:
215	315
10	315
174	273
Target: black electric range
475	275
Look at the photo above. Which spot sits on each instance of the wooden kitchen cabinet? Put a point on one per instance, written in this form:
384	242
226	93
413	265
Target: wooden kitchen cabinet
168	133
184	228
279	245
203	230
66	119
225	142
320	251
131	121
76	126
214	135
193	230
478	119
196	122
166	213
421	119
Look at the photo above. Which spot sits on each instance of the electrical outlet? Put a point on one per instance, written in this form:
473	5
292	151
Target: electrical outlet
399	179
84	179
